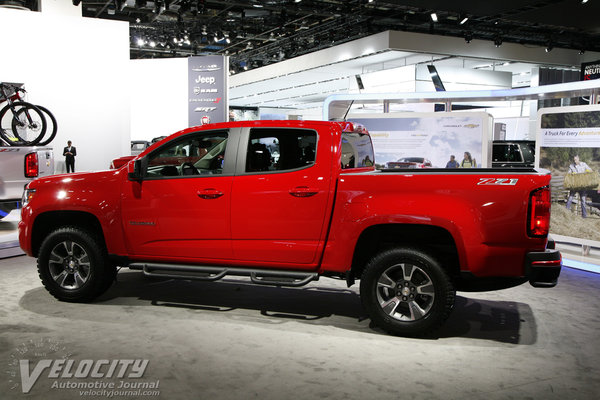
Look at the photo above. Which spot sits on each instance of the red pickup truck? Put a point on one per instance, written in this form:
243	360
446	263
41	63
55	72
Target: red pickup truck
284	203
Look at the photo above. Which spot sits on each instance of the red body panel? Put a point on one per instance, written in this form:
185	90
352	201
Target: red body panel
488	222
304	219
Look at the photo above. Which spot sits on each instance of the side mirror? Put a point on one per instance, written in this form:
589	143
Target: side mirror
139	170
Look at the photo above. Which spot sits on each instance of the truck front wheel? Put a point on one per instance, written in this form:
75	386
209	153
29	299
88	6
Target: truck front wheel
406	292
73	265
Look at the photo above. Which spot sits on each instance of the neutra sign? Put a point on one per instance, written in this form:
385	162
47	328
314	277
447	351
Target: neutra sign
208	99
590	70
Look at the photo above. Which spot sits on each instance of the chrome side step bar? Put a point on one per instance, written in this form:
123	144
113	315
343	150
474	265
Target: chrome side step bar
214	273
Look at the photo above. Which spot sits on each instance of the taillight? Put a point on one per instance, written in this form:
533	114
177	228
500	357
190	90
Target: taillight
539	212
31	165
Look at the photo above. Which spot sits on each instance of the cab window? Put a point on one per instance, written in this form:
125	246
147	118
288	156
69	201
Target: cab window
195	154
280	149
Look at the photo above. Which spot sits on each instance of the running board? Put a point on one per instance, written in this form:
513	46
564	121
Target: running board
213	273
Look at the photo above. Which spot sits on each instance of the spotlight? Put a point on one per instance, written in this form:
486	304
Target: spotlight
498	41
76	2
111	9
434	17
140	42
581	52
468	37
549	48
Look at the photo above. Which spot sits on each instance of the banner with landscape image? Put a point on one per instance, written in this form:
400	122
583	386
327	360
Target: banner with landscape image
431	136
568	143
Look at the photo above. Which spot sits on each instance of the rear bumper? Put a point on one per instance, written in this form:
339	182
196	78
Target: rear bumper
543	268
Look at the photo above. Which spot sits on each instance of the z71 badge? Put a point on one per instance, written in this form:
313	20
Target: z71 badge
498	181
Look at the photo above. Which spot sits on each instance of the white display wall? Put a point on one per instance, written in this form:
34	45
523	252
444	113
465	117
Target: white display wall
159	92
79	69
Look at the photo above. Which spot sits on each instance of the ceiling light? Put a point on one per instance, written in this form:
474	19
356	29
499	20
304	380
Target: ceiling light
111	9
498	41
468	37
584	1
464	20
549	48
152	43
257	5
140	42
434	17
297	1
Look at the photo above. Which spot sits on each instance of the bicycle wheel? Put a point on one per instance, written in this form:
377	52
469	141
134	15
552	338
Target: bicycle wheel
29	124
51	127
22	124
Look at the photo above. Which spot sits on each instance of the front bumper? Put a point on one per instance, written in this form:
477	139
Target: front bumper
543	268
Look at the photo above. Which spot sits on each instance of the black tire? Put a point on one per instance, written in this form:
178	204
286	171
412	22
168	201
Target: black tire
15	128
51	127
406	292
73	265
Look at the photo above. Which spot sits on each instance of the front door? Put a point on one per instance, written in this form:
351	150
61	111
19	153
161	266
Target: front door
181	208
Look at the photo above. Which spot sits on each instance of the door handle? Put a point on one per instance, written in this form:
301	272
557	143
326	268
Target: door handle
303	191
209	194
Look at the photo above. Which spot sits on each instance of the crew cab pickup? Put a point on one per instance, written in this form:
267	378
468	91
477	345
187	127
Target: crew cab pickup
284	203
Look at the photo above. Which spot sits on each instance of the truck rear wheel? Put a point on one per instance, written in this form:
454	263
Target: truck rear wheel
73	265
406	292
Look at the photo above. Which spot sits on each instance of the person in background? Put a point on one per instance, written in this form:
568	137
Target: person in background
468	161
452	163
578	167
70	152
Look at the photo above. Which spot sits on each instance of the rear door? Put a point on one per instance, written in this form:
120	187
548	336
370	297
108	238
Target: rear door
280	196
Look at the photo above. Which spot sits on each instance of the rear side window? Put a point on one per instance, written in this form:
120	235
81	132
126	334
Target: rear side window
277	149
357	151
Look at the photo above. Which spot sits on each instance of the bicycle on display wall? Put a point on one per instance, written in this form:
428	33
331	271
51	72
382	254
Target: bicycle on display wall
22	123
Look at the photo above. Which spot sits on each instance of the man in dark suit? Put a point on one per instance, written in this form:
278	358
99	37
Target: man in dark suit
70	152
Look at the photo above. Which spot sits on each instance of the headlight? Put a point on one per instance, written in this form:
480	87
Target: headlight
27	196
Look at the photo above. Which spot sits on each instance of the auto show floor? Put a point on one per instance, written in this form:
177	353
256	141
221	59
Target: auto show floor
232	340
